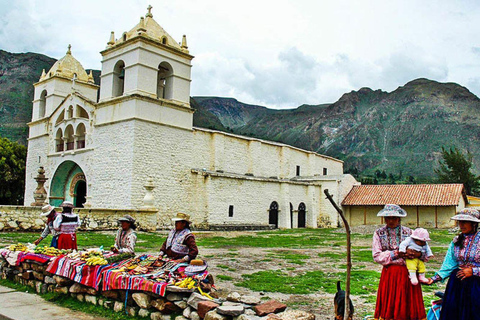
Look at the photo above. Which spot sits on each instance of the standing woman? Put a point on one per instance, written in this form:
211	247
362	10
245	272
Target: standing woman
397	298
462	266
66	224
49	212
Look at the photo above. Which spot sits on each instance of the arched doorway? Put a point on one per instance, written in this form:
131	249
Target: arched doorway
273	214
302	215
291	215
68	183
80	193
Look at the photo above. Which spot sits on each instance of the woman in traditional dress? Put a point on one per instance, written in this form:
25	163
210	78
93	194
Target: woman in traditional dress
397	298
49	212
180	244
126	236
66	224
462	266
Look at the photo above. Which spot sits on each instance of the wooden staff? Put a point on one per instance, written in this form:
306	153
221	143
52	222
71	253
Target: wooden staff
349	257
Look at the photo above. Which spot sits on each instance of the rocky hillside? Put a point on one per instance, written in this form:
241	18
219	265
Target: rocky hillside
401	132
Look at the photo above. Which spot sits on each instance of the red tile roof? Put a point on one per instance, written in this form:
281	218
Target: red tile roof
406	195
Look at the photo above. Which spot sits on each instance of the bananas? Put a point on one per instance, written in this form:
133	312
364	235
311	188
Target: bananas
18	247
49	251
96	261
188	283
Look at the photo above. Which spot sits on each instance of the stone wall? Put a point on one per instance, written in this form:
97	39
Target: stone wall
29	219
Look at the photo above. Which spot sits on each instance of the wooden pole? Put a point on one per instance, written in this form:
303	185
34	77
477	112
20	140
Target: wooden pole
349	257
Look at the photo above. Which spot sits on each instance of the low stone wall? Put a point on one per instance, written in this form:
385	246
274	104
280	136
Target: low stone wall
183	305
22	218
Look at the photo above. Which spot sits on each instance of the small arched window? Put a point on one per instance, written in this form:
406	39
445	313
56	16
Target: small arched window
164	40
302	215
124	37
42	104
118	79
70	112
59	143
80	133
164	81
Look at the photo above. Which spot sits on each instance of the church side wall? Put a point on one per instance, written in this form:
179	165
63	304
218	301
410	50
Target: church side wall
36	157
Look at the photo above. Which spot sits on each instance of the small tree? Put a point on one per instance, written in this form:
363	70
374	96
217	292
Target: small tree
456	168
12	171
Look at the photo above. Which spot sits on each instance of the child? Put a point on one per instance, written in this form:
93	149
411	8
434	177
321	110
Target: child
418	242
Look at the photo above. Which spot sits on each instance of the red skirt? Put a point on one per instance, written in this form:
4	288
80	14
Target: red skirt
397	298
67	241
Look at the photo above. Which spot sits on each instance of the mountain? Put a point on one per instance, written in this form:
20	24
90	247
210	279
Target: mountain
401	132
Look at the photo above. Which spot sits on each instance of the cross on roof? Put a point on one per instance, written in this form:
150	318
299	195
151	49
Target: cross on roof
149	14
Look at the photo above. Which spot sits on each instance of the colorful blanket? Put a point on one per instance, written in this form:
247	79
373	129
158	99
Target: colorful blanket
113	279
15	258
79	271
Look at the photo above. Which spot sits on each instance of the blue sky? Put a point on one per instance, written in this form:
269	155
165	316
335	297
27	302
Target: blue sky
278	53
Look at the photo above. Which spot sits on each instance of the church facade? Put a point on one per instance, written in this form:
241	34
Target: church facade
107	146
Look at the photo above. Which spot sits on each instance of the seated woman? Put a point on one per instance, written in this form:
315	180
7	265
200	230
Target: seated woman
126	236
180	244
66	224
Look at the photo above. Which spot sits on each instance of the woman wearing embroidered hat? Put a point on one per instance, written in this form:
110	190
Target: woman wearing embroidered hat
180	244
66	224
126	237
462	266
397	298
49	212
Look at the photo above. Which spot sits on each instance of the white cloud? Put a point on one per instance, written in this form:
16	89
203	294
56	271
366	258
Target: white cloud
277	53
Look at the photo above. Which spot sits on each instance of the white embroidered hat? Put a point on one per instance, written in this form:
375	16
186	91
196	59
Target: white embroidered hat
467	214
392	210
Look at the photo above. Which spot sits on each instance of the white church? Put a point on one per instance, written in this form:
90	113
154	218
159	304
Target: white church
106	146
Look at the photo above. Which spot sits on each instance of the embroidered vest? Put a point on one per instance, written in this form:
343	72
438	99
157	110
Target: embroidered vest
175	241
69	223
390	239
469	255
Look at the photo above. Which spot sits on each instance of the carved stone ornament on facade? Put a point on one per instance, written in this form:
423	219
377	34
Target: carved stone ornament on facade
40	194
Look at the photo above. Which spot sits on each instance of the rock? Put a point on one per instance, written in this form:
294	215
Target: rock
91	299
78	288
174	297
247	317
2	226
31	283
50	288
250	312
159	316
230	303
194	316
271	306
181	318
38	275
49	280
205	306
272	316
25	225
195	298
61	281
164	306
80	297
63	290
26	266
250	300
108	304
230	310
142	300
187	311
181	304
100	301
212	315
38	286
39	223
118	306
296	315
12	224
110	294
132	311
144	313
27	275
234	297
